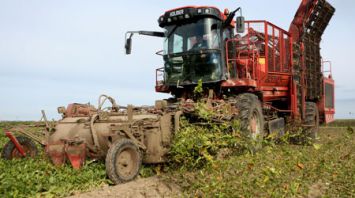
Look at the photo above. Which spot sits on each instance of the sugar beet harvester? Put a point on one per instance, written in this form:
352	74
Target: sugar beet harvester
265	76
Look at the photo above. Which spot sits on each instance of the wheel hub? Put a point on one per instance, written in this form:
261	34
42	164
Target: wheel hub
126	162
255	126
15	154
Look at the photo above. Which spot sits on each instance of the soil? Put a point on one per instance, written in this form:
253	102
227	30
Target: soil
317	190
139	188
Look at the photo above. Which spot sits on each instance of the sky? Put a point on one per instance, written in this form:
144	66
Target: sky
53	53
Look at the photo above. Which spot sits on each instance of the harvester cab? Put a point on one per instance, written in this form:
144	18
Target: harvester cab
194	47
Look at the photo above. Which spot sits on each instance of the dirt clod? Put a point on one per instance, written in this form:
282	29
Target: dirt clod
140	188
317	190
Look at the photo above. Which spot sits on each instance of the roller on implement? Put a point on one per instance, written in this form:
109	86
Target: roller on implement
266	77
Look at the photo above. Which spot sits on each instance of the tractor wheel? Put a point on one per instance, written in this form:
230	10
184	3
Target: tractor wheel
10	151
123	161
312	121
251	119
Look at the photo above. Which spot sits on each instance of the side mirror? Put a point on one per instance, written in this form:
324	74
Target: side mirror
240	25
61	110
128	45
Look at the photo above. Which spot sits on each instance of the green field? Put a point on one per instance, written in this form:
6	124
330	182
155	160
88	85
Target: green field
39	178
342	123
324	169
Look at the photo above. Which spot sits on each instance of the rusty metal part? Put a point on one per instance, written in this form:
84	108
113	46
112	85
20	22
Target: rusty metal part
78	110
72	149
33	136
76	153
127	130
49	127
130	113
126	162
94	133
103	98
44	117
56	152
150	128
177	117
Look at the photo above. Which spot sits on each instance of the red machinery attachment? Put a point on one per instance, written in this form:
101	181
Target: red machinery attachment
56	153
16	143
76	153
73	150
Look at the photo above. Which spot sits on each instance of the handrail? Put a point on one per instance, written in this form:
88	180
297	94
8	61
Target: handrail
327	71
157	73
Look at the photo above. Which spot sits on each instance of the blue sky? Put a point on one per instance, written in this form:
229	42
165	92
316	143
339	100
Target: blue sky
57	52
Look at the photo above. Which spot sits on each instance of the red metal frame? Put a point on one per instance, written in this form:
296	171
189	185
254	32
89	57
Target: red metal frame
269	71
303	13
328	113
76	154
269	67
266	64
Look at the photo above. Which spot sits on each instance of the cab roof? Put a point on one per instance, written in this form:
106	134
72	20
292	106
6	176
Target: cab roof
187	13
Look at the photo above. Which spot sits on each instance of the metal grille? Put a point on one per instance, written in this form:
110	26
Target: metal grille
314	28
329	96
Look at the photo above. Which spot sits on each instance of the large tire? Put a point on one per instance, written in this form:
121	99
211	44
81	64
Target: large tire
311	121
123	161
10	151
250	116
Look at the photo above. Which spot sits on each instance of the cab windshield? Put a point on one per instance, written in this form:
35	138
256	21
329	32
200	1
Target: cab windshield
200	35
190	68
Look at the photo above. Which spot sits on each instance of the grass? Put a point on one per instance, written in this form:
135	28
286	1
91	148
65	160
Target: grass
325	169
343	123
39	178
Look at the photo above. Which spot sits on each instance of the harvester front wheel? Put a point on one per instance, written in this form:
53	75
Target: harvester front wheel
123	161
311	121
10	151
250	116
